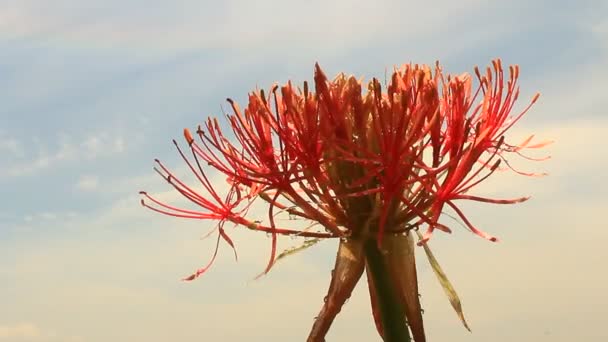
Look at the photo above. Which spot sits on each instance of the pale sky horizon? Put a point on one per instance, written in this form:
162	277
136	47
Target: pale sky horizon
93	91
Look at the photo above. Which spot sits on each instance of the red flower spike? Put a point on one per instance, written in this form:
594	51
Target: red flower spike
363	163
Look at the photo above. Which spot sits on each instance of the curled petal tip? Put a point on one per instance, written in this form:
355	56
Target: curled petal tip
484	235
443	228
189	278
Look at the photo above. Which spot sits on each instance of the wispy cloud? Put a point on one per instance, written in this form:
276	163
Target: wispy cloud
87	183
11	146
600	29
102	144
43	217
91	147
243	24
27	331
19	331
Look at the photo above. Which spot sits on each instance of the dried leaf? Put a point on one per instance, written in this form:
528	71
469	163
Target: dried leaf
293	250
445	283
348	269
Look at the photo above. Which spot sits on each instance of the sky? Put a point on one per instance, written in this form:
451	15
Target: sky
92	91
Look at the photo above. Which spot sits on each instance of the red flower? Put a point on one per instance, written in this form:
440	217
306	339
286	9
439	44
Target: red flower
365	166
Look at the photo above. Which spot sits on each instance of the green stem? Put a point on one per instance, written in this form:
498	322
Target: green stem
394	325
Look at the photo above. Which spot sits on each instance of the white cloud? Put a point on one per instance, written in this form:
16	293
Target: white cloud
95	145
102	144
48	215
119	144
11	146
27	331
243	24
87	183
92	145
600	30
19	331
44	217
43	161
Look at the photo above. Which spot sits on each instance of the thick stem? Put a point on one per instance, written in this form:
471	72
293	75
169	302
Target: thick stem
392	314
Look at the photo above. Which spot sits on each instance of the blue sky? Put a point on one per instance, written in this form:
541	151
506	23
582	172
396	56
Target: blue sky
93	91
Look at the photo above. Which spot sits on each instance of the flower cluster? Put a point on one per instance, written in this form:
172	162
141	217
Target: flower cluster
363	164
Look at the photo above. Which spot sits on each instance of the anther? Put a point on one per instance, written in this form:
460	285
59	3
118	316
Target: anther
188	136
263	97
535	97
501	140
496	164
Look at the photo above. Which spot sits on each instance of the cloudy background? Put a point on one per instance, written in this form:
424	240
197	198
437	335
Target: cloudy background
92	91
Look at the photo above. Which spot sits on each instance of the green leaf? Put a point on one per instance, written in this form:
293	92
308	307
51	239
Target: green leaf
445	283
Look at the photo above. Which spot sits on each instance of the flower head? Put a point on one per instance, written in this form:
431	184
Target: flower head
362	164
